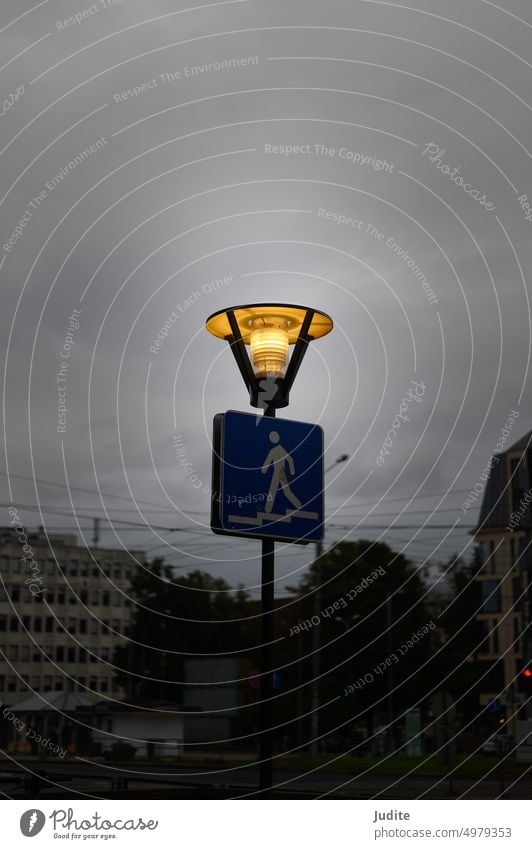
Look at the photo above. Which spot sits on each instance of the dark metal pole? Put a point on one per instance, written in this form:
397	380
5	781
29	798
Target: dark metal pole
266	678
315	692
391	734
266	666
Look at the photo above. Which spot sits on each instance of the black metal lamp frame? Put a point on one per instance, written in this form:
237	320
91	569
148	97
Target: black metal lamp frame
270	393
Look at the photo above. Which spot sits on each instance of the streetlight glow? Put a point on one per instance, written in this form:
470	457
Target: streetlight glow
289	317
268	330
269	350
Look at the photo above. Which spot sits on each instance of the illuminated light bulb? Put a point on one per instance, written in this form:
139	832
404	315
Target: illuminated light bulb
269	351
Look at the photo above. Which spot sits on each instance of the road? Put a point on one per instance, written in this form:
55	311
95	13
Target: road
83	779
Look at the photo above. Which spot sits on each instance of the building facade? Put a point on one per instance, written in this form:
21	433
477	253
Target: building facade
63	610
504	536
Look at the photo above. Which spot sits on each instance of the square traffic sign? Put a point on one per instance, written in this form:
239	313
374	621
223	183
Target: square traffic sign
267	478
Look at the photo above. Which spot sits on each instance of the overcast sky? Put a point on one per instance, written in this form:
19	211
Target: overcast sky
365	158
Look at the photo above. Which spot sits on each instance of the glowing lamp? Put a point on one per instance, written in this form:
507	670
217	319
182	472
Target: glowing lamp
269	330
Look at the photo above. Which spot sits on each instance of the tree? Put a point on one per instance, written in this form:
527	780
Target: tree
175	618
463	632
363	584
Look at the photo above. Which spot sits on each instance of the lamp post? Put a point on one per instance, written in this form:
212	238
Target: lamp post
268	330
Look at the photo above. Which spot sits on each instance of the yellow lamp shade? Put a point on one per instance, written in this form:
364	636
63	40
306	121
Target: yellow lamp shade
286	316
269	330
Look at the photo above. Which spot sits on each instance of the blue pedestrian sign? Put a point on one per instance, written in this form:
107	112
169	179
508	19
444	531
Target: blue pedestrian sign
267	478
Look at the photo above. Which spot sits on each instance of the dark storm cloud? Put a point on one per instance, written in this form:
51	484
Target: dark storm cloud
194	184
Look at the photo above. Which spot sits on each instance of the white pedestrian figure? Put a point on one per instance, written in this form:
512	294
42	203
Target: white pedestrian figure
279	457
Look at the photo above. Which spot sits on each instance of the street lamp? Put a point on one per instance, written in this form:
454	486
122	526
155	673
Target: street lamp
268	330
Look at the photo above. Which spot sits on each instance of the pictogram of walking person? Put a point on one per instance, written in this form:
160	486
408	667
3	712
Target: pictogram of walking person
279	458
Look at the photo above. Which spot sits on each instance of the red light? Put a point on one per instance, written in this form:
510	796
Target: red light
527	673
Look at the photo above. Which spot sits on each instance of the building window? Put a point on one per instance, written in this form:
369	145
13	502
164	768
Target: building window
3	623
517	590
24	654
82	626
60	654
106	598
47	683
13	624
486	549
494	637
491	596
71	655
94	626
11	684
49	626
489	555
37	623
518	484
518	631
95	597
